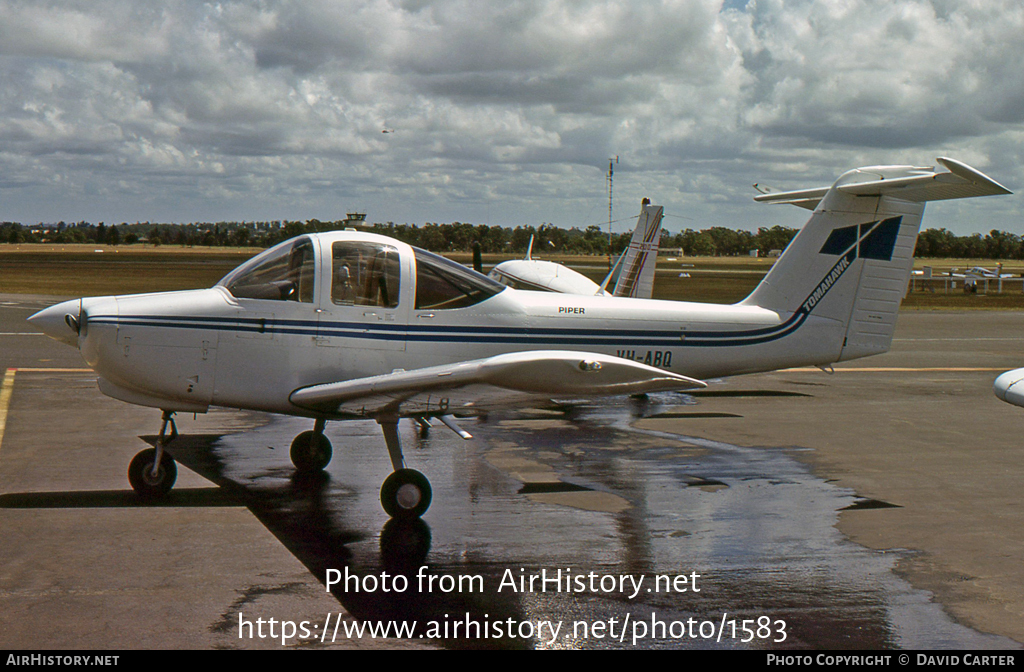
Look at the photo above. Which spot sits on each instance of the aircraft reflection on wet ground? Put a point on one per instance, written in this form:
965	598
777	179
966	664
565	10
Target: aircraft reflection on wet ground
585	492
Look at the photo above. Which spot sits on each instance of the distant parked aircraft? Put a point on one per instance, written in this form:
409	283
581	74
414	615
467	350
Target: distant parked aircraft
636	278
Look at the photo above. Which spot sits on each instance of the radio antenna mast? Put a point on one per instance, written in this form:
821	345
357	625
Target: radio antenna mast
611	174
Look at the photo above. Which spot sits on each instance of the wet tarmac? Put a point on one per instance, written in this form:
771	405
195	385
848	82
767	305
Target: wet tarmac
658	539
754	525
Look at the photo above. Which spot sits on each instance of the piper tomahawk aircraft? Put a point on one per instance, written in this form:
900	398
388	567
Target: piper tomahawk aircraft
636	280
347	325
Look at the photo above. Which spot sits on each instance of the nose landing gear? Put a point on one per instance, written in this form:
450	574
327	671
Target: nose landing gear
311	451
152	472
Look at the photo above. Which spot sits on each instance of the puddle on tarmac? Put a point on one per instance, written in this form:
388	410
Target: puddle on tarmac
583	493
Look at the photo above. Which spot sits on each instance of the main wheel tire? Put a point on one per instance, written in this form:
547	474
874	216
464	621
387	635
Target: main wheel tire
405	494
307	458
140	474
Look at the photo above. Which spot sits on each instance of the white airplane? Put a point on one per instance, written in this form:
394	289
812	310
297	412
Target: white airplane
543	276
636	280
348	325
974	272
982	273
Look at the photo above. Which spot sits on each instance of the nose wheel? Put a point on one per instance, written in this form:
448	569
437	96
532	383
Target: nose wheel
311	451
152	472
144	481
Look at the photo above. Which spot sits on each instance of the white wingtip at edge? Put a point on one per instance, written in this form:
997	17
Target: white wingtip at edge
966	172
1007	386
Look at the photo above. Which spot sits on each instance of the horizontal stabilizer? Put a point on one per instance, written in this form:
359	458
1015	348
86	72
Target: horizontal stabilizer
805	198
906	183
495	382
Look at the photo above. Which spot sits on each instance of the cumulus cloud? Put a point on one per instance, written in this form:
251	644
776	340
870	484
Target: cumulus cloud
502	112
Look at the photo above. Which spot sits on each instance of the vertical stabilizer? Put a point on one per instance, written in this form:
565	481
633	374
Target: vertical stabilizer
637	276
851	262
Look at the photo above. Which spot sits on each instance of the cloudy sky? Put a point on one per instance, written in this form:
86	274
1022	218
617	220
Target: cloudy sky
503	112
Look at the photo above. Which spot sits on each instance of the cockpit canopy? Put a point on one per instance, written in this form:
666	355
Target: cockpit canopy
363	271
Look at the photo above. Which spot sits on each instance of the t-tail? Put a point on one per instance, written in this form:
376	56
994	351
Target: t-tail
851	262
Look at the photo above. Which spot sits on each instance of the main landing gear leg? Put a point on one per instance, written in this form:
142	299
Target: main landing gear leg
311	451
406	492
152	472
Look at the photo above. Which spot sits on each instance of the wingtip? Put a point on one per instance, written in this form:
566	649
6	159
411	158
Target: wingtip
961	169
1007	387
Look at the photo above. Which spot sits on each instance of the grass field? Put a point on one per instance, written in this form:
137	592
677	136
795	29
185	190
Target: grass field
90	270
82	270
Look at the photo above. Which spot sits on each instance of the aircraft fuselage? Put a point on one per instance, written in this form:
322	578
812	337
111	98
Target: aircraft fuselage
190	349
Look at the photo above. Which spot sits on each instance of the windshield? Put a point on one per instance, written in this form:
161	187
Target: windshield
282	273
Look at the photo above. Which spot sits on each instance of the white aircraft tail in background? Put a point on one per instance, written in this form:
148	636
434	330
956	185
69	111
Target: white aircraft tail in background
637	277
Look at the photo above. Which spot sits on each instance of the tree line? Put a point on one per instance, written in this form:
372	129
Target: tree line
461	237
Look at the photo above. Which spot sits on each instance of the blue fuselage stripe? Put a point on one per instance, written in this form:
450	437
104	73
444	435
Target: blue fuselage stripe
440	334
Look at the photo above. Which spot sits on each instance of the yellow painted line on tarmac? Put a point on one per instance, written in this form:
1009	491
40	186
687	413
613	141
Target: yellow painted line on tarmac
7	387
5	400
53	370
903	369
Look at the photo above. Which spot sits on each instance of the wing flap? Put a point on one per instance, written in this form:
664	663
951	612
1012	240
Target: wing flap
495	382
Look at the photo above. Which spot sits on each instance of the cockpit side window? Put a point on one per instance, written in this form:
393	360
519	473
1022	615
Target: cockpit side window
365	274
443	284
284	273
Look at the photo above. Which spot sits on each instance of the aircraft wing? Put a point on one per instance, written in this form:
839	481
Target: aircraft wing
502	381
961	181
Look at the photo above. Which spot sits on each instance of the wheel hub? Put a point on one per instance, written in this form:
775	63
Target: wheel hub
149	478
408	496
